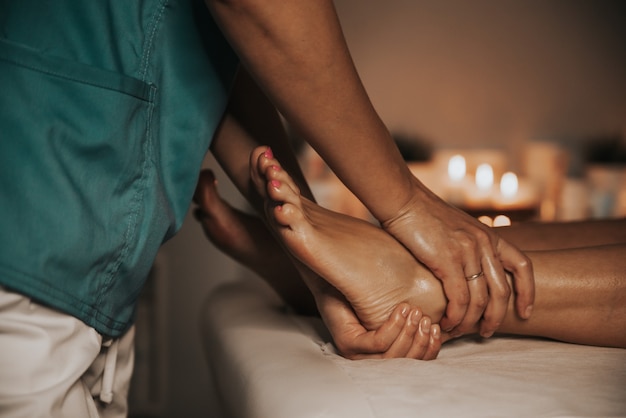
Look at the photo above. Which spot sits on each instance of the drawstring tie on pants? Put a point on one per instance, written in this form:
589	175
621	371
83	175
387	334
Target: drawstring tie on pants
108	375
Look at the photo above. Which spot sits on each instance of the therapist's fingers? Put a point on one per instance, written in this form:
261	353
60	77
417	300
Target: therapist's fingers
478	303
421	341
457	292
500	289
400	336
355	342
403	345
499	295
434	344
427	340
521	268
392	335
475	279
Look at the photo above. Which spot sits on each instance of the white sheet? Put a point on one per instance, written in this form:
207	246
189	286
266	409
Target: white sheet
268	363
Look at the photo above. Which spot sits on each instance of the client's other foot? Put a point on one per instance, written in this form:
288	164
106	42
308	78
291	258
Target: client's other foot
369	267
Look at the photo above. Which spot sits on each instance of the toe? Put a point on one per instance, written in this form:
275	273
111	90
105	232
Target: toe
276	172
287	215
282	192
206	181
257	171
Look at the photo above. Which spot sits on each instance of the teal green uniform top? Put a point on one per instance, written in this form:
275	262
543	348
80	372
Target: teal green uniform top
107	108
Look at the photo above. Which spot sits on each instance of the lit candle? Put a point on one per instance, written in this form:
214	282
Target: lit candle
484	177
479	194
509	185
486	220
515	193
456	179
501	220
456	168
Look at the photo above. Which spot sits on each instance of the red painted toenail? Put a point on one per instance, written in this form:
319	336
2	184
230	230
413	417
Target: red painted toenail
275	168
268	153
275	183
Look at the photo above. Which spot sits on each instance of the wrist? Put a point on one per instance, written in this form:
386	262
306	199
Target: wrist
412	199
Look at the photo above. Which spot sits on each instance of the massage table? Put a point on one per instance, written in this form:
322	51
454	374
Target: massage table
268	362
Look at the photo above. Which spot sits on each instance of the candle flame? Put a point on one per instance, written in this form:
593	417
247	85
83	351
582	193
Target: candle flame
484	177
509	184
456	168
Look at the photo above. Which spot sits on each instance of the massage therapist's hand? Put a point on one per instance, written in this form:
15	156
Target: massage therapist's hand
469	258
406	334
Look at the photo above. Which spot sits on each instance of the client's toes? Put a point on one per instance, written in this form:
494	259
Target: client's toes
288	215
282	191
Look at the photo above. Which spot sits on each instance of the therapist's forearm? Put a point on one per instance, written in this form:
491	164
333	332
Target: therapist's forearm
298	55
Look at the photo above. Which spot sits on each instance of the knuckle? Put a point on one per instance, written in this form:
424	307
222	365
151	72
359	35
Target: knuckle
483	238
463	299
500	292
447	259
480	303
491	323
483	303
423	342
418	351
379	344
466	242
526	263
492	319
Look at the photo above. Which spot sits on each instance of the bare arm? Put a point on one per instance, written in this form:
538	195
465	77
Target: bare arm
297	53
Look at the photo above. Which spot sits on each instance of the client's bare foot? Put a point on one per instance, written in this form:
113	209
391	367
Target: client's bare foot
372	270
245	238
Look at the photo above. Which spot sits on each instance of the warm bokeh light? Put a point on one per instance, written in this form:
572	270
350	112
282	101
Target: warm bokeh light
456	168
484	177
486	220
509	184
501	220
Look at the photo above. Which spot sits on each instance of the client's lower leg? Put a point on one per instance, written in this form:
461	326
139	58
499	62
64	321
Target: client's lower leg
538	236
580	296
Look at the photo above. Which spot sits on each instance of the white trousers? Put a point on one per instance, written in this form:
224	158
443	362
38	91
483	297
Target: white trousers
53	365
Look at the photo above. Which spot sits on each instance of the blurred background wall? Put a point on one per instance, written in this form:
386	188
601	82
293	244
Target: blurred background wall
491	73
454	73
